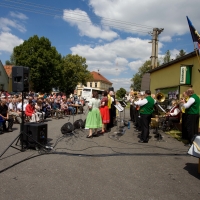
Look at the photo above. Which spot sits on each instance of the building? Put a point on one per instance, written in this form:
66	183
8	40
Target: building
98	81
175	77
8	69
4	79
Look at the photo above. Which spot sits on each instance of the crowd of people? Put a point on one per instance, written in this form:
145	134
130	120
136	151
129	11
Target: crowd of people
102	112
36	107
142	108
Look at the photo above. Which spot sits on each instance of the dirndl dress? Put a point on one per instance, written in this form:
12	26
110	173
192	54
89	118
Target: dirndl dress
104	110
93	119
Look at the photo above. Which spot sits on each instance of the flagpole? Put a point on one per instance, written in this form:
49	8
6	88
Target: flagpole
196	53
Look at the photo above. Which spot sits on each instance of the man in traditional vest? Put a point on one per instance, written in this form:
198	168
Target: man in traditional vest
146	110
192	115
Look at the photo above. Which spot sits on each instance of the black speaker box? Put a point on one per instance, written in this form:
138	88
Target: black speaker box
35	133
67	128
20	79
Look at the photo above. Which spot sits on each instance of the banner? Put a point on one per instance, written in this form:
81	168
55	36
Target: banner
185	75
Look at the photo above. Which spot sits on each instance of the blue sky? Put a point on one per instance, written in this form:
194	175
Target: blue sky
113	35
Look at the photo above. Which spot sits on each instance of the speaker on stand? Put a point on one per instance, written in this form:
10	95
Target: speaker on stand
35	135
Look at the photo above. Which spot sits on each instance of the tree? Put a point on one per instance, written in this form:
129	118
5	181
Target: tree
74	71
167	57
11	61
121	93
137	78
181	53
43	61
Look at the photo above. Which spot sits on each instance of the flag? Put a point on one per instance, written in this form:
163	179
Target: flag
194	33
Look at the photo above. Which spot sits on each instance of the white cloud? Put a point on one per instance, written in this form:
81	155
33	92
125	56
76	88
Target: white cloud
113	58
18	15
170	15
7	24
165	38
80	19
8	41
121	83
135	65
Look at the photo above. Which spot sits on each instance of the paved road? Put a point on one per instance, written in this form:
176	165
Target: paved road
107	167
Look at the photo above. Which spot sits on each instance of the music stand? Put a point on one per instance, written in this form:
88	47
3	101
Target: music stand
120	110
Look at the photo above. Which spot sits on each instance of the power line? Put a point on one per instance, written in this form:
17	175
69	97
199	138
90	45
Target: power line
53	9
117	24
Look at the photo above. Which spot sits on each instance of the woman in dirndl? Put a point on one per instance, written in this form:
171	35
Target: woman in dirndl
93	120
104	110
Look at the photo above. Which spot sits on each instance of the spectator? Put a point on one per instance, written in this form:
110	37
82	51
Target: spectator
4	115
30	111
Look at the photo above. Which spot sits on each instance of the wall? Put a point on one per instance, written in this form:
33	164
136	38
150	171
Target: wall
170	76
4	80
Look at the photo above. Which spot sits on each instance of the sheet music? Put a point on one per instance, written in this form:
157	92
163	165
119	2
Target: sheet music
119	107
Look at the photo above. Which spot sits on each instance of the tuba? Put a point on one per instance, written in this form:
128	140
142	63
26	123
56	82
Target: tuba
160	97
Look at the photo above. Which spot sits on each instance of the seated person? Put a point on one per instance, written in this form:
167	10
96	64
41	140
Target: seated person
64	106
1	125
173	116
57	107
4	115
46	107
12	108
30	111
38	109
70	108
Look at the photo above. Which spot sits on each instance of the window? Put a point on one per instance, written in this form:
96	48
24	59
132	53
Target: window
95	84
90	84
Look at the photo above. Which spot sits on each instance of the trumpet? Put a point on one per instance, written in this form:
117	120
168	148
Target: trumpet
181	106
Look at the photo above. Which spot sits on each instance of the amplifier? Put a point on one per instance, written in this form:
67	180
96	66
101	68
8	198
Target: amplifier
35	133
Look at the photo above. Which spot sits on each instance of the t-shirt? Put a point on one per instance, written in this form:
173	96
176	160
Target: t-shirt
3	110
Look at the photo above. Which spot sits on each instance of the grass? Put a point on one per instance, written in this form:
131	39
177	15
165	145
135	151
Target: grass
177	135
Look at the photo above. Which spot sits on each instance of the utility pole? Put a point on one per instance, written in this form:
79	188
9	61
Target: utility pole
154	54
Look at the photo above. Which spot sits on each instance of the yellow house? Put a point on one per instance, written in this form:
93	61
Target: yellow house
175	77
98	82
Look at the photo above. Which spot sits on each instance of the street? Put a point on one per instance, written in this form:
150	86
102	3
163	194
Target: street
112	166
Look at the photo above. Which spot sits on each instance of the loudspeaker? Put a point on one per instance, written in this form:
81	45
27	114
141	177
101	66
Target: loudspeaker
79	124
33	133
67	128
20	79
111	89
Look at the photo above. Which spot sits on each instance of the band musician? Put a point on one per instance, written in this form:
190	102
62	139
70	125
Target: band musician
185	99
140	96
191	114
173	116
146	110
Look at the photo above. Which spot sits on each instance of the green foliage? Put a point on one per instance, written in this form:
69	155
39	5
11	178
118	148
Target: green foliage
43	61
137	78
74	71
11	61
181	53
120	93
167	57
